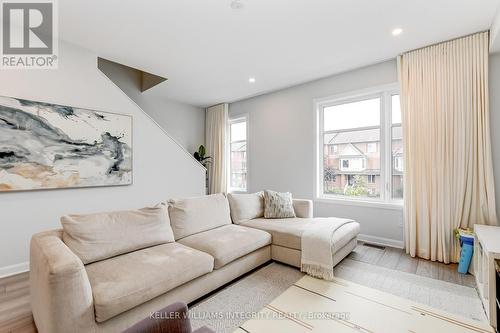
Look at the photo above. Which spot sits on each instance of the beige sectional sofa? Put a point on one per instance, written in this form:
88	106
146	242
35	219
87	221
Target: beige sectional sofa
105	272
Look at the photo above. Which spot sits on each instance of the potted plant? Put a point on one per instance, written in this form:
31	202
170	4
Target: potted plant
204	160
200	156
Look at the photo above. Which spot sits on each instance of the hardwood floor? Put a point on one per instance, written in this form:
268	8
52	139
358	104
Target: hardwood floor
15	310
397	259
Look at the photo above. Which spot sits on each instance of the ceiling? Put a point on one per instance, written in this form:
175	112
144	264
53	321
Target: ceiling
208	50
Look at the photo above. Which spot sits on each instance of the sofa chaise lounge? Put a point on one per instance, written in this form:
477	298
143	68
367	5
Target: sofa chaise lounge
105	272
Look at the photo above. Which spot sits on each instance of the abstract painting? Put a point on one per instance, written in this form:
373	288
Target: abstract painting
49	146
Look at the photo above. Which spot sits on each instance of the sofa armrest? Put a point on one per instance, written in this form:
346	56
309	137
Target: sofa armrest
61	296
303	208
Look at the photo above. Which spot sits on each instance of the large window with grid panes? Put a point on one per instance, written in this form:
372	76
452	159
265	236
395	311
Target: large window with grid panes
359	146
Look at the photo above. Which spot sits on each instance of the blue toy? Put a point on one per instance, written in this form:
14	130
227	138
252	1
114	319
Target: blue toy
467	244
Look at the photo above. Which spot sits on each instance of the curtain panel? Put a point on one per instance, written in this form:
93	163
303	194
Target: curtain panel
216	132
448	177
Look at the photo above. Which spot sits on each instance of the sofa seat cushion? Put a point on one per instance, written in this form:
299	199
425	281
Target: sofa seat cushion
228	243
287	232
121	283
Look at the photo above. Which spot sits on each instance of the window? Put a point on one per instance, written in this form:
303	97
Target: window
352	126
238	155
367	163
345	164
353	164
332	149
371	147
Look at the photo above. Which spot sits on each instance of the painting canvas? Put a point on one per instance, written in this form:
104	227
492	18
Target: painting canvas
49	146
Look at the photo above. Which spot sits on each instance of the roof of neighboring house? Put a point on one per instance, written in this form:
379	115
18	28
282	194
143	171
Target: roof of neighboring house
371	135
351	151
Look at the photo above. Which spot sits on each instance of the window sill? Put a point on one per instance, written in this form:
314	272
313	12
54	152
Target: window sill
393	205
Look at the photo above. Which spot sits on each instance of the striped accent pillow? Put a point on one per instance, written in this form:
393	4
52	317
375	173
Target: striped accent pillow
278	205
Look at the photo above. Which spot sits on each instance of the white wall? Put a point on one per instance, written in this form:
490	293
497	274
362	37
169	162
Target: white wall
494	81
184	122
495	32
281	142
161	168
281	145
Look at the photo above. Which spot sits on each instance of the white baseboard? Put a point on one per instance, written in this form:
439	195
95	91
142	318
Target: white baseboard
381	241
14	269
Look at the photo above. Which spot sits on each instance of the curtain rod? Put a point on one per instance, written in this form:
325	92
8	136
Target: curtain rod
446	41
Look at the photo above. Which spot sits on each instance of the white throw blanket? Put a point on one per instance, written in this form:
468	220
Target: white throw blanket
318	247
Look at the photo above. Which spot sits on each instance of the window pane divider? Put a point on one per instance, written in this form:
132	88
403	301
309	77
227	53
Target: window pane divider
387	157
355	129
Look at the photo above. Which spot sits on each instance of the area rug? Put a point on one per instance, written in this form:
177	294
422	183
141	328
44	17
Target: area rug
229	308
461	300
318	306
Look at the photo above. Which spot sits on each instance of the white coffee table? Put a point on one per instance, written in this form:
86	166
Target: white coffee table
313	305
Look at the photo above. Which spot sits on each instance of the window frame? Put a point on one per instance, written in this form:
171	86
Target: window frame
392	126
234	120
385	93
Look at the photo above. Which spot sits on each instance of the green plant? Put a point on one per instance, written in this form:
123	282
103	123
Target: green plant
358	188
329	174
200	156
333	190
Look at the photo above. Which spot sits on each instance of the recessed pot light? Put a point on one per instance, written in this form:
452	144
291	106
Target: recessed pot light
251	80
397	32
237	4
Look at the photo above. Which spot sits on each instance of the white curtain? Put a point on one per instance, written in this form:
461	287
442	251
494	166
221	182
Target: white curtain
448	177
216	134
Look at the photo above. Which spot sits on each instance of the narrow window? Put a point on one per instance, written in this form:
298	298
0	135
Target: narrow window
238	155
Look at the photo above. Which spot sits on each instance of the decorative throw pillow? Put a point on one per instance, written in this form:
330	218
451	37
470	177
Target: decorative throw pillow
278	205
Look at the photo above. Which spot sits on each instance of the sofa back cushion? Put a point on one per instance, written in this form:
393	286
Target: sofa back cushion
193	215
94	237
245	207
